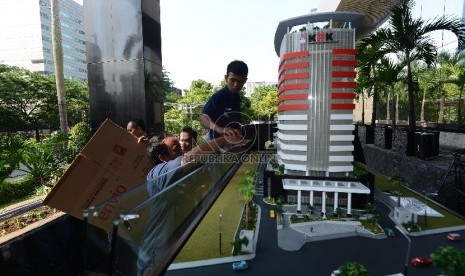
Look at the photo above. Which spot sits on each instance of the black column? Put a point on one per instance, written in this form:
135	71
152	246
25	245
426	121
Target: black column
124	62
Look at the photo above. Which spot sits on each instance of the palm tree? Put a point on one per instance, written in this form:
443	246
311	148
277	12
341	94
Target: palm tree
389	74
370	53
399	180
455	70
248	192
409	39
279	207
57	49
429	82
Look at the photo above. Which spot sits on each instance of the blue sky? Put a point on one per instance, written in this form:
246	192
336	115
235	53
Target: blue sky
199	38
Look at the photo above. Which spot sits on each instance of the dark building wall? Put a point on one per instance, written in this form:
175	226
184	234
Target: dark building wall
124	61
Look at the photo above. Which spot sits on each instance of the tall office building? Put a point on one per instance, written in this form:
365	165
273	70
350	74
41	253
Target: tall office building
251	86
25	29
316	102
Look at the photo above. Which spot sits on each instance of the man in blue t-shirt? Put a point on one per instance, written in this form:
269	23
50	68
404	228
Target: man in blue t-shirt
222	113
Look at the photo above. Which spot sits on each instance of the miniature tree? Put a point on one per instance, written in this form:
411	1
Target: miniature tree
399	180
370	208
279	207
449	260
339	212
310	208
237	245
352	269
248	192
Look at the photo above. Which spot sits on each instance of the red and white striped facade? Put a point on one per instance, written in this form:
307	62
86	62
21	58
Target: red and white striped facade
316	102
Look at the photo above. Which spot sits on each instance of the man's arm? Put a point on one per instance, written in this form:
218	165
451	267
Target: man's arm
194	156
209	124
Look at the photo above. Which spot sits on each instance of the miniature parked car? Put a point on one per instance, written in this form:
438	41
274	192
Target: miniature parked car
272	214
454	237
239	265
421	261
389	232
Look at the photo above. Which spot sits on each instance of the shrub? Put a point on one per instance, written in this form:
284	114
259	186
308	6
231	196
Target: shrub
359	171
352	269
79	135
11	191
9	155
411	226
44	160
237	245
449	260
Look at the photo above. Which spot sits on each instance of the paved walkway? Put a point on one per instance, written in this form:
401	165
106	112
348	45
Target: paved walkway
293	237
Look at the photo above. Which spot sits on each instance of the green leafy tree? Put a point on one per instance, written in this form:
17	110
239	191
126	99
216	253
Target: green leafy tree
246	109
449	260
199	92
77	96
193	101
264	101
172	97
409	39
79	135
173	121
27	99
167	83
352	269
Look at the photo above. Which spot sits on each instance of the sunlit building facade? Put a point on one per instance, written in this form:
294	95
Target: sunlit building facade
25	29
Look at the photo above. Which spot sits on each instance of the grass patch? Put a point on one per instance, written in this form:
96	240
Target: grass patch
204	242
372	227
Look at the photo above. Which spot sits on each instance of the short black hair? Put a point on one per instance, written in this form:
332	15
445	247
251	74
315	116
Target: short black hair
191	132
138	123
156	147
237	67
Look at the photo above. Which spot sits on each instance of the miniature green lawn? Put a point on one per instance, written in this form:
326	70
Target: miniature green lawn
204	242
449	220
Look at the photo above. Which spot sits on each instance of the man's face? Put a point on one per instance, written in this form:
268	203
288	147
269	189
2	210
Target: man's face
235	82
186	142
135	130
174	148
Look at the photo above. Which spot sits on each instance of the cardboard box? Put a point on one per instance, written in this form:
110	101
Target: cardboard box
110	165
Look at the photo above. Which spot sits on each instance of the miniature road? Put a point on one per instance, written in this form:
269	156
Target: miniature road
380	257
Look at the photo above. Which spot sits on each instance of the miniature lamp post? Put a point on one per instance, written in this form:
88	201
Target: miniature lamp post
408	250
426	207
219	231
